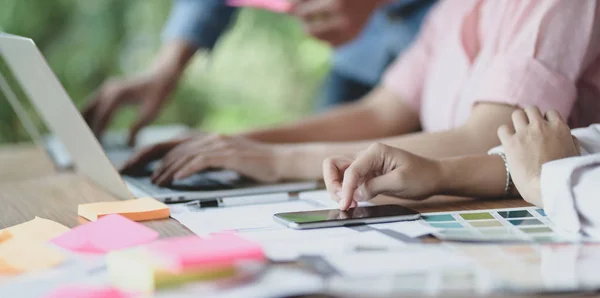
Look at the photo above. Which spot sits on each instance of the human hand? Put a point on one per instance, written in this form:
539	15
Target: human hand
138	162
250	158
335	21
148	91
535	141
380	169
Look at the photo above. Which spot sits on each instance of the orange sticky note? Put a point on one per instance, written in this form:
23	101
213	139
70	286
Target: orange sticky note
20	255
137	210
39	229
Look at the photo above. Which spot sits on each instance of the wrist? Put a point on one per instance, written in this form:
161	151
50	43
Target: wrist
172	59
446	176
298	161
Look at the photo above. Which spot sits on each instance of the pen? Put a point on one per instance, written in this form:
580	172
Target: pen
240	201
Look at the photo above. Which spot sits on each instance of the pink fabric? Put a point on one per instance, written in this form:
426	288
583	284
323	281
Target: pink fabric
515	52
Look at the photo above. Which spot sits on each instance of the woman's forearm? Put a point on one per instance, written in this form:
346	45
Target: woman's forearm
379	115
473	176
476	137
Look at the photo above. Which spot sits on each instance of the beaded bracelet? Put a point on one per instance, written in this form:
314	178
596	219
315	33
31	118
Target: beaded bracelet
509	183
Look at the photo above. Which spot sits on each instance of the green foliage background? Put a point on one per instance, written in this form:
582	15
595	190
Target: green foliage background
264	71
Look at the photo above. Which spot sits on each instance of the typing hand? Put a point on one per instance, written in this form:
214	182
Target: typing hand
140	159
535	141
380	169
334	21
147	91
250	158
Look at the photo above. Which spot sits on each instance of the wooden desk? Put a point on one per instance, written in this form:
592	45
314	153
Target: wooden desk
30	186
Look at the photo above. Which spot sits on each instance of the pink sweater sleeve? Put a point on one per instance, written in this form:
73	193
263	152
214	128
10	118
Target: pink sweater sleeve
406	76
541	51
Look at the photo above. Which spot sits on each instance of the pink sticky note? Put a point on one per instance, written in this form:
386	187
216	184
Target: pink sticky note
80	291
281	6
221	249
110	232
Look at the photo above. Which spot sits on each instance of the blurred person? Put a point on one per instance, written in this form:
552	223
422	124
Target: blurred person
550	168
198	24
472	65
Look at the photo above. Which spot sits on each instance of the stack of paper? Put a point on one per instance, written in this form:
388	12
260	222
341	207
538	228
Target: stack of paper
109	233
175	261
137	210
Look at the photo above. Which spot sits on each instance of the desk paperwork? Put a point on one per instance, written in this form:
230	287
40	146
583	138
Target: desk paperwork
38	229
109	233
137	210
251	217
255	222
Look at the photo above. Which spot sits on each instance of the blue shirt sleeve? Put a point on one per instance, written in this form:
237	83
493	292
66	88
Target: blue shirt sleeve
200	22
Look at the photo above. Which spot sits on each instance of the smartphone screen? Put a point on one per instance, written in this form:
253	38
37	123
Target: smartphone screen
370	214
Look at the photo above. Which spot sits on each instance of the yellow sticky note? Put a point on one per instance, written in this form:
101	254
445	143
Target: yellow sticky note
20	255
39	229
137	210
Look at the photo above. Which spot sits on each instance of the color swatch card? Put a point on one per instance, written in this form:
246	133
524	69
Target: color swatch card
281	6
111	232
137	210
511	225
38	229
22	255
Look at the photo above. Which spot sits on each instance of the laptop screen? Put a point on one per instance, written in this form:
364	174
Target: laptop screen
20	120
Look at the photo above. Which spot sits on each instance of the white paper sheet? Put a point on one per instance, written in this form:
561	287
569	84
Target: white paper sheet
239	218
287	244
409	259
412	229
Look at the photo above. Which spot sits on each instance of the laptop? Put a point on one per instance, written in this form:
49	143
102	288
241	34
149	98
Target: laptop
26	73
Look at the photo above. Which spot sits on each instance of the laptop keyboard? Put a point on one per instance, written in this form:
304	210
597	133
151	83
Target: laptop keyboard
145	185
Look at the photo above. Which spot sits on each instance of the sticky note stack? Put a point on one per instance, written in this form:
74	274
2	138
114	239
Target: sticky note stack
137	210
24	248
175	261
111	232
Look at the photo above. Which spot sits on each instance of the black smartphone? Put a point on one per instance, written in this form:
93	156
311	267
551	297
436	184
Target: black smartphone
336	218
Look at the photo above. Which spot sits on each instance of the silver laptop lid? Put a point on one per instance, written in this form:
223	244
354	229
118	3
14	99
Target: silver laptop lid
52	102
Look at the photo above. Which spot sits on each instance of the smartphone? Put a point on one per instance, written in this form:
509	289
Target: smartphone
336	218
